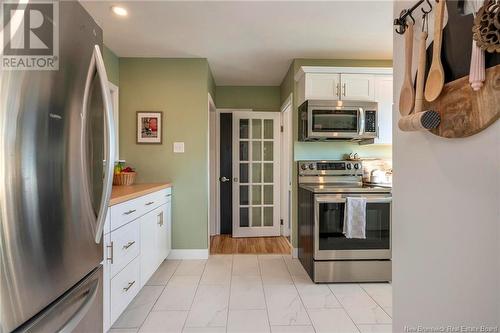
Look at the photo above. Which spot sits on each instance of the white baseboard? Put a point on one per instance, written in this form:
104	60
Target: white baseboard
187	254
295	252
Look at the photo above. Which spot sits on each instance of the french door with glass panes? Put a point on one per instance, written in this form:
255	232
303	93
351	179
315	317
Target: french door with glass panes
256	190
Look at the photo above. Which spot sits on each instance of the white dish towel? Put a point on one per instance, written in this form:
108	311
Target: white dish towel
355	218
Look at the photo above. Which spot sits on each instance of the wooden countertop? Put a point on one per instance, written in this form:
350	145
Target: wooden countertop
124	193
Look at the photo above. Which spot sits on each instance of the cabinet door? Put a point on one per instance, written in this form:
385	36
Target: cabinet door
149	246
358	87
322	86
168	225
161	233
384	97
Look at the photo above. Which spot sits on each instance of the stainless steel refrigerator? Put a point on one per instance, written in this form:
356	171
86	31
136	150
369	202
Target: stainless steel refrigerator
56	165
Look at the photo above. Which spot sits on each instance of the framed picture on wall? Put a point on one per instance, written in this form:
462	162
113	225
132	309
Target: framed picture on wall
149	127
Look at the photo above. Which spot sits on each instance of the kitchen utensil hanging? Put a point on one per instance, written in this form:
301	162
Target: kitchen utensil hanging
462	111
486	29
477	66
407	94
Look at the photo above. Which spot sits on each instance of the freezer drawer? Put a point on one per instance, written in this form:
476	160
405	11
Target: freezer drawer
78	311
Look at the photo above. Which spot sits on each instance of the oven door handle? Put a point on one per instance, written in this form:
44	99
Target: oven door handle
336	199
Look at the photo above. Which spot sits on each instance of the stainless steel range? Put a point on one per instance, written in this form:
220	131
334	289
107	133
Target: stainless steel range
325	252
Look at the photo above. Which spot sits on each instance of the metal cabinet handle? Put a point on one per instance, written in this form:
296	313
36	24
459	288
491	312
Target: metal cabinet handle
110	258
160	219
343	89
338	89
130	284
168	195
130	212
149	203
129	244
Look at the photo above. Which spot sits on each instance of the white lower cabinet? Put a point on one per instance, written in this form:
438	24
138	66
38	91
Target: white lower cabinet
134	249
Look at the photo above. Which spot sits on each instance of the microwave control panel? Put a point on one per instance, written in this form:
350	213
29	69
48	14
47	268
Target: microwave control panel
370	122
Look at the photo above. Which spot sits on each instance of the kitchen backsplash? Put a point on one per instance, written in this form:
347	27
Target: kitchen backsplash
337	150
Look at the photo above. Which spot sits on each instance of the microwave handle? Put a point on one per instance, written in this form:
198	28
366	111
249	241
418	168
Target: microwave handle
361	121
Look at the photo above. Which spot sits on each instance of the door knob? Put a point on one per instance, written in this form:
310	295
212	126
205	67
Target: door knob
224	179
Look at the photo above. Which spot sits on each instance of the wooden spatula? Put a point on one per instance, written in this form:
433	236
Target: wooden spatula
419	98
407	94
435	79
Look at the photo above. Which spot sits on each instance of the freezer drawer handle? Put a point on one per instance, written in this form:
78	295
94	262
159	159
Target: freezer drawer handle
90	296
129	244
130	284
149	203
130	212
110	258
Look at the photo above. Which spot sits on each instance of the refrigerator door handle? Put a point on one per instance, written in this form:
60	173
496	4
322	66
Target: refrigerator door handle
97	64
73	322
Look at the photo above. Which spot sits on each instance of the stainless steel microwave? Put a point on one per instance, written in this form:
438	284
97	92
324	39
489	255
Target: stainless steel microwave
338	120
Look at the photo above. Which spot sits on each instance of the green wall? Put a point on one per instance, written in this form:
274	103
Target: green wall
323	150
112	63
258	98
179	88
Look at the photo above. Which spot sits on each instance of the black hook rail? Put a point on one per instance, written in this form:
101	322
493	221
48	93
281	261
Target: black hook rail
407	13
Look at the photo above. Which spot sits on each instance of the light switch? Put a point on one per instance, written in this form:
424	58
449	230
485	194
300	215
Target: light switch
178	147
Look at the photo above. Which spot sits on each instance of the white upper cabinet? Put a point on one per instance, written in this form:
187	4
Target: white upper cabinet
322	86
358	87
338	83
383	95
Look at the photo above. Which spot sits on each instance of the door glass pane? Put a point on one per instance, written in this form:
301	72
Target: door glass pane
244	128
256	129
268	172
243	194
256	216
243	150
256	194
256	173
268	194
256	151
268	150
268	129
243	172
244	217
268	216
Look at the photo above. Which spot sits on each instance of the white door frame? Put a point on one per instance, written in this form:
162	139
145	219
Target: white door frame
216	229
251	231
286	166
212	168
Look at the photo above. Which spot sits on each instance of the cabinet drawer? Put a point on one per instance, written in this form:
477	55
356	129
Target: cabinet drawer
124	287
125	212
126	245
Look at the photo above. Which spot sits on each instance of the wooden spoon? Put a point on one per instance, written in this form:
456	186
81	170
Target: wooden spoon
419	99
435	79
407	94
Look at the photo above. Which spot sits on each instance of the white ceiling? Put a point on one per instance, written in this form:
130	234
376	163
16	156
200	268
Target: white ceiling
248	43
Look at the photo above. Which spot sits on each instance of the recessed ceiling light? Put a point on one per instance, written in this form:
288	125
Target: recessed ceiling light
120	11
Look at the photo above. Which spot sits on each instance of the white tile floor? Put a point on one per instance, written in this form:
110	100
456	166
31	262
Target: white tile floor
255	294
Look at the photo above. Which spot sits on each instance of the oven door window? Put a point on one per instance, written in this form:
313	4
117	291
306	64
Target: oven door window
334	120
331	224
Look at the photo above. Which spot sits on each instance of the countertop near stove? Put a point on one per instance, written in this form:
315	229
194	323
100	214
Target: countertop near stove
365	188
124	193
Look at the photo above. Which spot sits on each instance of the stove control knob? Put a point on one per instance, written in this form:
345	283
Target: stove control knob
311	166
303	166
356	166
349	166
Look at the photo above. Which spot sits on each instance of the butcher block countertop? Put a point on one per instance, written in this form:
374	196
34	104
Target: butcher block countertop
124	193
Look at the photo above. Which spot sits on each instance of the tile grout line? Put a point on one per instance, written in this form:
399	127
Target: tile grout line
196	292
264	293
343	308
230	285
298	294
380	305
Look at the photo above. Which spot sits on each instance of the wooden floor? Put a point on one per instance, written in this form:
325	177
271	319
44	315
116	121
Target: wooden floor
225	244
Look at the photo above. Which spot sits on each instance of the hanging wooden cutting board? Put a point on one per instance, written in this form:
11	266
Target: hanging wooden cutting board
463	111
